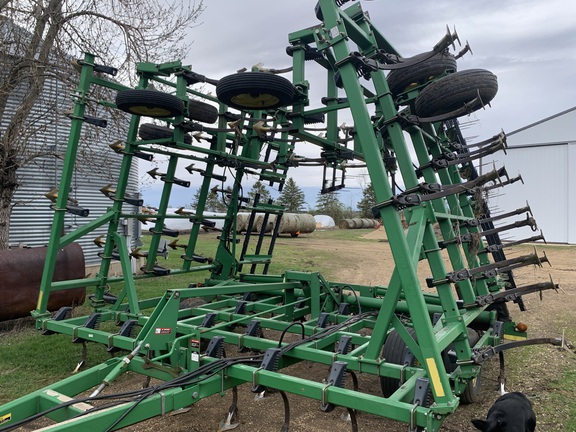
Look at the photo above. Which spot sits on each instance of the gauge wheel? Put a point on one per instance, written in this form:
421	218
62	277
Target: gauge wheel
150	132
396	351
149	103
191	303
472	392
255	91
454	90
202	111
400	80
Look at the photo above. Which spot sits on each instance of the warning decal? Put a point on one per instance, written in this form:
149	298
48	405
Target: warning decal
5	418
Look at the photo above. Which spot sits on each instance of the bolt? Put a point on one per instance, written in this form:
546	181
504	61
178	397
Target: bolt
438	416
176	294
147	346
195	395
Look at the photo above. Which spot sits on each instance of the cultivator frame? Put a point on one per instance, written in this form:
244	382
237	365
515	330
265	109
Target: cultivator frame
439	337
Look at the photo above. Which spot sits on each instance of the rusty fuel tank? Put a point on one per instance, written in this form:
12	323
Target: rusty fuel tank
20	275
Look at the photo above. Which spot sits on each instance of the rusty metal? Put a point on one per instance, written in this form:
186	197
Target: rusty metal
20	274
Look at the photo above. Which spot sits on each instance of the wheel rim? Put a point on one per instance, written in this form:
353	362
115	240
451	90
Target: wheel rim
255	100
150	111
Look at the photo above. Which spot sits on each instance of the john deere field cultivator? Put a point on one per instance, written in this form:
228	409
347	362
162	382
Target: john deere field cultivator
426	344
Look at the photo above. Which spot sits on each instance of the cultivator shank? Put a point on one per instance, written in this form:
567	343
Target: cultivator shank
241	324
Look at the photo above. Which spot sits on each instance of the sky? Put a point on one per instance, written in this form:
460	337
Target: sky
530	45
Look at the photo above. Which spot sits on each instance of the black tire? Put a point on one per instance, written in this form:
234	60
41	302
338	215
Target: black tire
150	132
472	391
400	80
255	90
191	303
396	351
453	91
149	103
202	112
318	12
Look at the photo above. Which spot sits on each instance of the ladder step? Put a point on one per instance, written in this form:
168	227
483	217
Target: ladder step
272	176
267	208
268	175
256	259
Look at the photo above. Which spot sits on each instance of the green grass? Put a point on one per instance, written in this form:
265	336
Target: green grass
552	391
289	254
547	375
563	395
29	360
343	234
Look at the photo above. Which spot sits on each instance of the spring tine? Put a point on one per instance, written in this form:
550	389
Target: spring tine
505	215
529	221
544	258
456	38
443	43
464	50
497	247
504	183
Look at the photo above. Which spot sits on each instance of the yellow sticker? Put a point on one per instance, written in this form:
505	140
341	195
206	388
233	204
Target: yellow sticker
5	418
514	338
435	377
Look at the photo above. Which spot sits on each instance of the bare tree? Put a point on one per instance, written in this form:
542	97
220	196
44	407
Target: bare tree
37	40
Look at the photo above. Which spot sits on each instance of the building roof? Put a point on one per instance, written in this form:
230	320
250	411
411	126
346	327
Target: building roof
544	120
557	129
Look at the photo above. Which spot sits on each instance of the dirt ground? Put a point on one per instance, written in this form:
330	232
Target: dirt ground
372	264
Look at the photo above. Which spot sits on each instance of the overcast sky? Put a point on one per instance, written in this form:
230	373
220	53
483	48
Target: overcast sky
530	45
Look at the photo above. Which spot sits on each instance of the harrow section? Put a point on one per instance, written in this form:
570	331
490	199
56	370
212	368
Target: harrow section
425	344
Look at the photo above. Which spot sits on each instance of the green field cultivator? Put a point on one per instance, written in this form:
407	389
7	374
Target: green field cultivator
425	344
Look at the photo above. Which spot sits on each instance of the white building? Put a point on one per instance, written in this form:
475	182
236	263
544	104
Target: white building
544	153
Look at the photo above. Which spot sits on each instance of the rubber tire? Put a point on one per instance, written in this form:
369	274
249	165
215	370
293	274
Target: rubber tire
318	12
400	80
150	131
472	391
191	303
202	112
453	91
255	90
393	352
149	103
